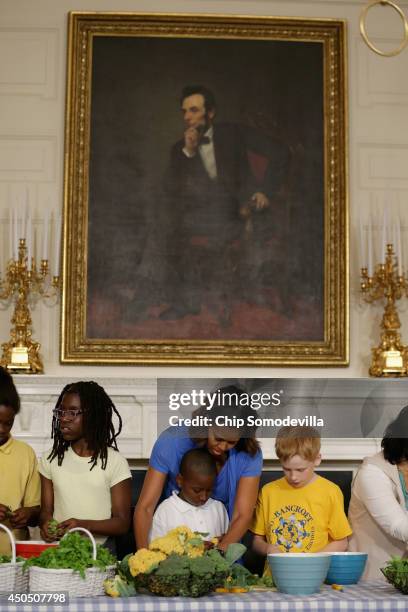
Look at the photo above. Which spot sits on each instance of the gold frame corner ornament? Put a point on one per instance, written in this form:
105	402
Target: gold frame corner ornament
76	347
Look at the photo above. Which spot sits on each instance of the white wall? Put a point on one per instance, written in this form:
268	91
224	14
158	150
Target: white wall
32	100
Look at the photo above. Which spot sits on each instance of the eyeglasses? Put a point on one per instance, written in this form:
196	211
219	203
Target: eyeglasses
66	414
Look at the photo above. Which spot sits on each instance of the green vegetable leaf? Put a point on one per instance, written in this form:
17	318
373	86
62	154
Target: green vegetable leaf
195	541
53	528
124	588
123	568
396	572
234	552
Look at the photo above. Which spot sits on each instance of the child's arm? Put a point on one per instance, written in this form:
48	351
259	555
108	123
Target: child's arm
120	520
336	546
47	508
261	546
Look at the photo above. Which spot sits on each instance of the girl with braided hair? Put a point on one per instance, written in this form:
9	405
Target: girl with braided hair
83	475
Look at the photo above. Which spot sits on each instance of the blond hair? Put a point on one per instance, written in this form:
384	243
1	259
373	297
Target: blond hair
297	440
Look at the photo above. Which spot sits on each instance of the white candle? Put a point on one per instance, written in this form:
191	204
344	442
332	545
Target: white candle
11	231
363	262
29	241
384	236
23	218
45	234
36	242
57	245
398	246
370	247
15	242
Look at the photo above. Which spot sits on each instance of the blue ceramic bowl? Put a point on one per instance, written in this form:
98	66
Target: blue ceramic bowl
346	567
299	573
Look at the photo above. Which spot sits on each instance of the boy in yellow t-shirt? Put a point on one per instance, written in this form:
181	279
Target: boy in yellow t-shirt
19	477
301	512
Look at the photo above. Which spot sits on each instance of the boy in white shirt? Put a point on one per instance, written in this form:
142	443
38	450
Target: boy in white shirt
192	505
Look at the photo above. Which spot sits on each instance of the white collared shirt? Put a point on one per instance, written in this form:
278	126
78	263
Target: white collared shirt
207	154
211	518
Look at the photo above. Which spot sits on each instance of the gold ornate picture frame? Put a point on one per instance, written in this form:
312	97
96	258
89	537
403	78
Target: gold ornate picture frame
221	240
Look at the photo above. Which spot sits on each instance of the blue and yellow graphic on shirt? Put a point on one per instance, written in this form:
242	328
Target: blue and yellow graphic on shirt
292	529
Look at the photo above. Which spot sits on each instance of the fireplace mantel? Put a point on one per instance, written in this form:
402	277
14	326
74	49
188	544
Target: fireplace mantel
136	400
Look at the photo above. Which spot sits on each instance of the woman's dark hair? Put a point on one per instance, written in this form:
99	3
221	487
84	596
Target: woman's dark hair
230	402
8	392
99	431
395	440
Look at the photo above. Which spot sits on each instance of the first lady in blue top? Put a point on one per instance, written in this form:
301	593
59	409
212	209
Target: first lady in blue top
238	459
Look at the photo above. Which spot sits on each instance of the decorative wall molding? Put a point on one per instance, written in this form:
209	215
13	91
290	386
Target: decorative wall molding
376	83
28	158
381	163
32	59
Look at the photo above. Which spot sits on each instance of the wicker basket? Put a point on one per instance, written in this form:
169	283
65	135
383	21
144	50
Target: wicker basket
12	577
70	581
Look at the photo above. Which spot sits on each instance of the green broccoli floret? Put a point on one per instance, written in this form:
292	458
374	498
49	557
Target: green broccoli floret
188	577
219	562
174	564
203	577
202	565
170	576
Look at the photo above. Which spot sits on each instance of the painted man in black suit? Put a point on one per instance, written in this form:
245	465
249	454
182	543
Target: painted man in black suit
212	197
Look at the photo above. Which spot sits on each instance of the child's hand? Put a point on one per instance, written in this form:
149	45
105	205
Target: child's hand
272	549
20	518
48	532
69	524
5	512
220	545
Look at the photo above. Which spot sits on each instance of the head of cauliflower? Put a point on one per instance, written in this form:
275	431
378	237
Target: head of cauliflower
179	541
144	561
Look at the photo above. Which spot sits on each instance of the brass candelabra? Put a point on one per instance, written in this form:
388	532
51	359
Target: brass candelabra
22	279
390	358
